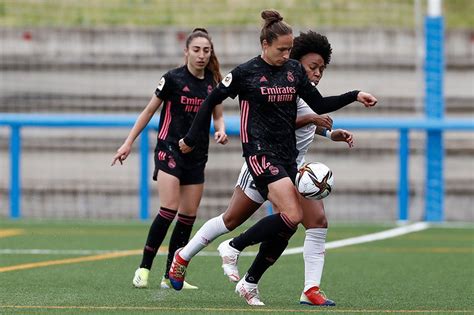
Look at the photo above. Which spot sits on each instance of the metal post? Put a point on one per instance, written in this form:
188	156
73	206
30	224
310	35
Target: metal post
15	176
403	180
434	109
144	174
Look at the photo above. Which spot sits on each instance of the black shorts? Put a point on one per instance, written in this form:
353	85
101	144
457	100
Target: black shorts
265	170
166	162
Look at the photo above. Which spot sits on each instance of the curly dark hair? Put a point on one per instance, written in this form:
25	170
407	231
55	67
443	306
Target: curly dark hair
311	42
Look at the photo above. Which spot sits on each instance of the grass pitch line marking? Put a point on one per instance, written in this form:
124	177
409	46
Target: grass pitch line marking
402	230
11	232
297	250
70	260
220	310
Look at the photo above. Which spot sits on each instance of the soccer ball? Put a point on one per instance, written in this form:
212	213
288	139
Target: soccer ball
314	181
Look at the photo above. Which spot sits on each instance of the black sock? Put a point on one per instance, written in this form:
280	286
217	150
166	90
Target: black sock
156	234
263	230
268	253
180	237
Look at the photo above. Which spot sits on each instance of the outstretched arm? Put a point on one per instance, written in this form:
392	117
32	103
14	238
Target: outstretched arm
333	103
323	105
142	120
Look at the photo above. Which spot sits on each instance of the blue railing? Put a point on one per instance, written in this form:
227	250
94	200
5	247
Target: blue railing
403	125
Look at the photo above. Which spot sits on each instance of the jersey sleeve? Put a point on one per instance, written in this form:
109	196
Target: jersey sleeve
333	103
228	87
163	90
323	105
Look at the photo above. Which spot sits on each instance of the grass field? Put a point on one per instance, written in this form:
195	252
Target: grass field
430	271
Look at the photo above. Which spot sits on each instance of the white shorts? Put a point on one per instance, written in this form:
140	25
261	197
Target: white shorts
246	183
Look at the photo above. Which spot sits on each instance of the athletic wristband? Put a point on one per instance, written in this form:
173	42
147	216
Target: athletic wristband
328	133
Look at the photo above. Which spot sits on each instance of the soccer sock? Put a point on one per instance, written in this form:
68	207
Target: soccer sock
211	230
313	253
156	234
180	237
268	253
264	230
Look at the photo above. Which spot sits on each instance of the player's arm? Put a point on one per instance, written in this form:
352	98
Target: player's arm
219	125
323	105
338	135
315	119
227	88
141	122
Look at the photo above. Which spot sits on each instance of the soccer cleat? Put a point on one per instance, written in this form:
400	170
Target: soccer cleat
314	296
177	271
230	257
140	280
249	291
166	284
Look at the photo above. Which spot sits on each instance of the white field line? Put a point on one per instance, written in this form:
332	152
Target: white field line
402	230
291	251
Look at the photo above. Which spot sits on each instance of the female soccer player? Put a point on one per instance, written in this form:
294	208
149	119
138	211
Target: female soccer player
314	52
268	86
180	177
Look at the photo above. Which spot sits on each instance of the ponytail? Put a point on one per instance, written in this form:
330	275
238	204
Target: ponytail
273	26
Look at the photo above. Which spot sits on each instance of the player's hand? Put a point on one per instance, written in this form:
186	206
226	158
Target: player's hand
122	154
323	121
221	137
367	99
184	147
343	135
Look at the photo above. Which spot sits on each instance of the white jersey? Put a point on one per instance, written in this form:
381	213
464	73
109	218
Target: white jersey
305	134
304	137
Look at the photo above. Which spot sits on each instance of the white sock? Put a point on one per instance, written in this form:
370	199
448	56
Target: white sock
211	230
313	253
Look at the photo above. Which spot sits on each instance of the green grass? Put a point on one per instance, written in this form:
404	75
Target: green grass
190	13
430	271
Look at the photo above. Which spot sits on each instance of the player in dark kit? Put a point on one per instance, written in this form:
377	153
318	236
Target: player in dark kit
268	87
180	176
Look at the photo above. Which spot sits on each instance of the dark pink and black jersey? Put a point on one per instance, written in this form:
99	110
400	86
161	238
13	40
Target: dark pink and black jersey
267	96
182	94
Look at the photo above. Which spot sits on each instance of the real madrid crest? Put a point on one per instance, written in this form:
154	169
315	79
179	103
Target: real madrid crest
290	76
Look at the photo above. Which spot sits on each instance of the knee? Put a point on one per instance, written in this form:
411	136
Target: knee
295	215
315	222
230	222
322	222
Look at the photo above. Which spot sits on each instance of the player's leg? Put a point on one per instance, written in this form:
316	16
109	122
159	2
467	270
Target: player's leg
168	190
274	182
281	193
273	231
243	204
240	209
315	223
190	198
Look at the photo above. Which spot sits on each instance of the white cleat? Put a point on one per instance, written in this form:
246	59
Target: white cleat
140	280
230	257
249	291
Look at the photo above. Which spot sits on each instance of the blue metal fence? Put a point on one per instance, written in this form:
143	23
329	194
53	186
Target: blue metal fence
18	121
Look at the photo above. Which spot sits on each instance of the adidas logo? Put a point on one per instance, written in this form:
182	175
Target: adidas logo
186	89
263	79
